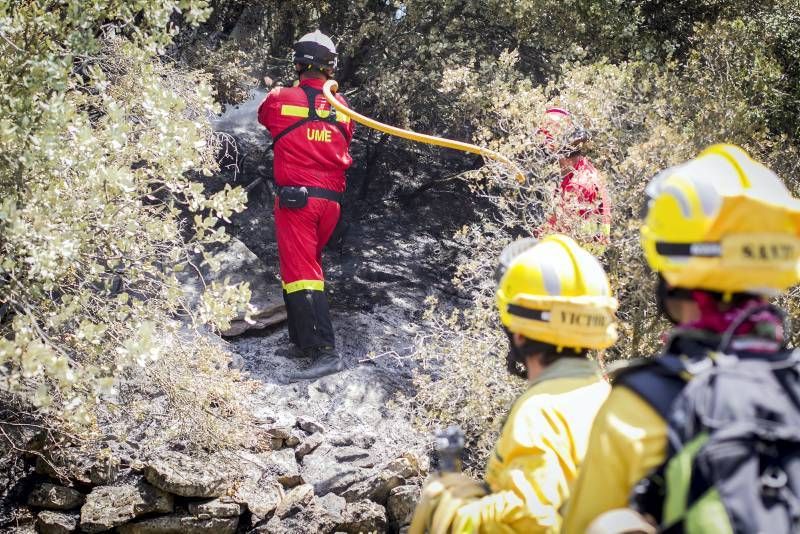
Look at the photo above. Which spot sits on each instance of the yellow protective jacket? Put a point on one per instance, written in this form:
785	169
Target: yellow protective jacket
536	460
628	440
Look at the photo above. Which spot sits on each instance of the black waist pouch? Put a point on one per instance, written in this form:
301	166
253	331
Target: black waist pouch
293	197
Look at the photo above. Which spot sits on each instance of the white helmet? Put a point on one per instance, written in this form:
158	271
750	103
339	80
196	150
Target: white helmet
315	49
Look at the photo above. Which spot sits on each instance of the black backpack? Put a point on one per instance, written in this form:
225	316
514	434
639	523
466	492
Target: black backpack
733	462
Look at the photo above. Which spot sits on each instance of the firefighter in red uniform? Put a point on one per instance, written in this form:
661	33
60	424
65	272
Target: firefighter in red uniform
311	144
582	207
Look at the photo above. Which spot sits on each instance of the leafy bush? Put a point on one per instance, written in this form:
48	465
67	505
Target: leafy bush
98	137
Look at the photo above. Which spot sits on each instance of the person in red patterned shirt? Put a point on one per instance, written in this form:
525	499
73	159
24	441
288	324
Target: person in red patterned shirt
310	141
581	206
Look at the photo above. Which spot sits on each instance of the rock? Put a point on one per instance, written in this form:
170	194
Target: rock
308	445
363	516
310	425
109	506
238	264
260	498
55	497
406	466
238	327
322	470
186	476
294	439
79	466
306	521
268	417
401	503
283	466
56	522
295	500
358	439
279	426
182	524
257	487
333	504
377	487
318	515
221	507
278	432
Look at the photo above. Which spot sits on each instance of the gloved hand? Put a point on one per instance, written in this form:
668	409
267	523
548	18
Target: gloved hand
441	498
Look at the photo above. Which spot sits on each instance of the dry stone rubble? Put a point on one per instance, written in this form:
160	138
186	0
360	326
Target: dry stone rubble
314	487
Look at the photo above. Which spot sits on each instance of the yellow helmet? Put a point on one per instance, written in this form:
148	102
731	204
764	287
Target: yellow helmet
722	222
554	292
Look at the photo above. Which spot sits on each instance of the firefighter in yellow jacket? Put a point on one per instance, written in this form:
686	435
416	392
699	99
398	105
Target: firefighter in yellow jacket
555	303
722	233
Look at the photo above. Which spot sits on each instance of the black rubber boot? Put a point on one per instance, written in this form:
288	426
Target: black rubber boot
327	361
293	352
309	319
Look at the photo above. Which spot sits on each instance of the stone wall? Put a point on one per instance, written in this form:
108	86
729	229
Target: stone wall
313	481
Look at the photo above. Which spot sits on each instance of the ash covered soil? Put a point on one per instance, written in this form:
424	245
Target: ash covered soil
396	250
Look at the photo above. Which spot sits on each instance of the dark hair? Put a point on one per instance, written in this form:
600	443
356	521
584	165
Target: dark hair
515	359
550	353
304	68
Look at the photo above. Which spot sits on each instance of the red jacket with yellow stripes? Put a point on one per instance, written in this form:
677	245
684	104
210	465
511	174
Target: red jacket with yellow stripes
315	154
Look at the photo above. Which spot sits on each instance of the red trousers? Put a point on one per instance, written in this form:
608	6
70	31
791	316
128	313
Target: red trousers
302	233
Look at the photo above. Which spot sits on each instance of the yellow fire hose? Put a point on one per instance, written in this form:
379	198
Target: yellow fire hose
331	86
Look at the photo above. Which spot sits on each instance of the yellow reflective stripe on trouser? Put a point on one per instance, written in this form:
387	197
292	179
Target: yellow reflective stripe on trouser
289	110
300	285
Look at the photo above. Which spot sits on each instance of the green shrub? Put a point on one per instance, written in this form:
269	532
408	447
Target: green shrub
98	139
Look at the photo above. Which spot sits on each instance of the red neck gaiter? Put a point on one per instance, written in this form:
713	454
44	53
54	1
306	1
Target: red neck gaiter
763	324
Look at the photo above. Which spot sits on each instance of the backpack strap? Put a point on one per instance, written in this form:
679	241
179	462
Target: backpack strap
658	381
311	97
787	372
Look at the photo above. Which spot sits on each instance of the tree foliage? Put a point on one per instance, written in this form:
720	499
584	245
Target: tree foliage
98	135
